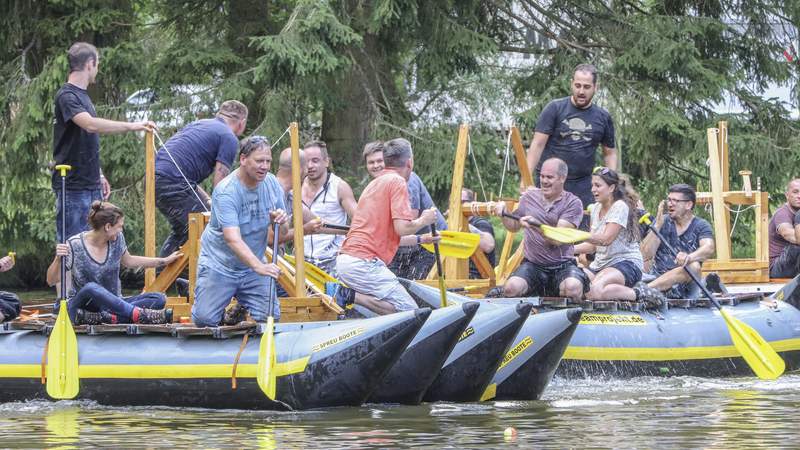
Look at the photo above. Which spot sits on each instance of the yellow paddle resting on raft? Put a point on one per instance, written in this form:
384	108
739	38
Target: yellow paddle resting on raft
757	352
563	235
266	375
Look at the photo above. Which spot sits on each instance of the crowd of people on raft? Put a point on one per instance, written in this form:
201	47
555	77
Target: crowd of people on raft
621	259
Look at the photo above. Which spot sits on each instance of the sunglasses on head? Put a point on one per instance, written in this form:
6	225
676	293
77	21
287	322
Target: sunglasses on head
254	142
600	170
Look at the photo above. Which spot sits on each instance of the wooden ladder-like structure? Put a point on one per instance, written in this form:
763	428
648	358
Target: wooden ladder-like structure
305	301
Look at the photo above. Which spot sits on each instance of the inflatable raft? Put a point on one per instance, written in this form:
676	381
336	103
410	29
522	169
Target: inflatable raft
687	337
321	365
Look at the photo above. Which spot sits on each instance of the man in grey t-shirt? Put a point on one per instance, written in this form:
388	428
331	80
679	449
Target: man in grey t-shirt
549	268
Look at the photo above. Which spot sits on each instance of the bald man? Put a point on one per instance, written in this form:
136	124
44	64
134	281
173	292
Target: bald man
784	235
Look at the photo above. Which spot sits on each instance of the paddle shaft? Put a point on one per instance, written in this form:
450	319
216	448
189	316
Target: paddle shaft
63	258
335	227
519	219
686	268
439	270
276	229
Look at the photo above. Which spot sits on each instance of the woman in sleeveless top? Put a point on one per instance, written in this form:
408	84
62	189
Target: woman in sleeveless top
93	259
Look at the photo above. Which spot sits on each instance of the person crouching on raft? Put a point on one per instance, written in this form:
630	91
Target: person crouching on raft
93	259
616	271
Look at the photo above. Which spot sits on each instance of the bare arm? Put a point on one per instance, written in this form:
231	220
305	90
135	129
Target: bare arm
106	126
788	232
406	227
220	171
535	150
706	250
486	242
134	261
347	199
605	236
610	158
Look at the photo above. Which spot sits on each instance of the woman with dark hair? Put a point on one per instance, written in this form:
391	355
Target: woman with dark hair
92	260
616	271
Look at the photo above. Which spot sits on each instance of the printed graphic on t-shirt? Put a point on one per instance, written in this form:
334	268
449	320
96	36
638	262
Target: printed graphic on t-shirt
578	129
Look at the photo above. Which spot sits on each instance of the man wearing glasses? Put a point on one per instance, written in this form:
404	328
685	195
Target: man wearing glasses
570	129
691	237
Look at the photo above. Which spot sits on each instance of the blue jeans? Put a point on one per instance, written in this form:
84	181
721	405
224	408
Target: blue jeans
95	298
176	200
214	291
78	204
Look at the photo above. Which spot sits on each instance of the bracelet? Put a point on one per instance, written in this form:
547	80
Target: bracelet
419	240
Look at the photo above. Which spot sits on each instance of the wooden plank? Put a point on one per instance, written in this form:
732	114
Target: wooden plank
180	309
721	226
526	176
511	265
169	274
724	155
301	302
297	211
469	209
196	226
762	226
731	197
149	205
455	268
483	265
741	264
458	283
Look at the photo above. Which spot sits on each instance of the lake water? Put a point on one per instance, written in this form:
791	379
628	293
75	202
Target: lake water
681	412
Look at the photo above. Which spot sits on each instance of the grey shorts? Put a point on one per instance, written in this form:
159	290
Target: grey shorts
372	277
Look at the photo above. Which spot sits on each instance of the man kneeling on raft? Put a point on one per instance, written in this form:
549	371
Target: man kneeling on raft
382	216
549	268
232	262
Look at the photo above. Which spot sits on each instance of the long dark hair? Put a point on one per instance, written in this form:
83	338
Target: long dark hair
623	191
102	213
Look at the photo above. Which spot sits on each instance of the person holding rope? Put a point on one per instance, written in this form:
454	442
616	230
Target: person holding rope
93	259
570	129
548	268
9	302
76	141
190	156
232	248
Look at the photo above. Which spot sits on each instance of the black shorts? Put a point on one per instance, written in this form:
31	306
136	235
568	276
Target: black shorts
629	271
545	280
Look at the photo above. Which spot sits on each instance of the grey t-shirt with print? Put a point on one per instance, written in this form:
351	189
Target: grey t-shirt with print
621	249
85	269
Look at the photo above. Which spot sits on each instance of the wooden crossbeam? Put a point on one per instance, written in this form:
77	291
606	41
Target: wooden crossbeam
149	205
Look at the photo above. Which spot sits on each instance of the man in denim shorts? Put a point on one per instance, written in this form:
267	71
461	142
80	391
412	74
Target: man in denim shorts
382	216
549	268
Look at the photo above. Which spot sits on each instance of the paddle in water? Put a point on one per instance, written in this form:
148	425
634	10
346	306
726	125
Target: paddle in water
561	235
759	355
62	349
266	376
439	271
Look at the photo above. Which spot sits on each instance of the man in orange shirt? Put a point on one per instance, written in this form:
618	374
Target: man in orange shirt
382	216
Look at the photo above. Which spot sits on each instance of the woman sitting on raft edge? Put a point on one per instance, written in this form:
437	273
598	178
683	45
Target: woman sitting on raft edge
616	271
93	260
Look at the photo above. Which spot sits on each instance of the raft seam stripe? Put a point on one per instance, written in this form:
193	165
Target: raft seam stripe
667	354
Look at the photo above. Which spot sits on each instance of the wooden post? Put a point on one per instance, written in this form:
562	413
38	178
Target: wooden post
762	226
522	160
455	269
724	155
297	214
721	225
149	205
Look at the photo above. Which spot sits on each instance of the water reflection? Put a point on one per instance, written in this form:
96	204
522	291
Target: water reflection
642	412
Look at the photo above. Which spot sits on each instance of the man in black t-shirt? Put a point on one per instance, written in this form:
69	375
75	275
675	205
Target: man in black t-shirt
76	141
484	228
570	129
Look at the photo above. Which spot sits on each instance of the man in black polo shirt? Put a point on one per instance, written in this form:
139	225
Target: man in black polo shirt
570	129
76	141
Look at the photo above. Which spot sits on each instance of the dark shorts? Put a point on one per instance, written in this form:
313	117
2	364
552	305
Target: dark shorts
629	271
545	280
787	264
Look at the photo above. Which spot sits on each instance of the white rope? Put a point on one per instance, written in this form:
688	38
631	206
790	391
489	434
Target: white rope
161	143
505	160
281	136
475	163
738	211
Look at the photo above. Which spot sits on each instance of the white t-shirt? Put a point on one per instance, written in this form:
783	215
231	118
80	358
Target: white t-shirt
621	249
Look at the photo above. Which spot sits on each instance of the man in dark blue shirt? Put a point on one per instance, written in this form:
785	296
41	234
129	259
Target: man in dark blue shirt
190	156
688	234
76	141
570	129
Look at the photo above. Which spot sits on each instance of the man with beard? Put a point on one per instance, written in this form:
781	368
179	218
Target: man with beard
570	129
784	229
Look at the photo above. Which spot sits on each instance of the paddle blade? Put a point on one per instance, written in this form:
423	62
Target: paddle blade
62	358
266	375
456	244
759	355
564	235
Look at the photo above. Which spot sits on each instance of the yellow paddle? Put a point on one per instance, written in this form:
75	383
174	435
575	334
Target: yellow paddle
62	349
266	375
439	271
559	234
456	244
757	352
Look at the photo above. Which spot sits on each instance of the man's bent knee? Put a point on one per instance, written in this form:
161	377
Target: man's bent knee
515	287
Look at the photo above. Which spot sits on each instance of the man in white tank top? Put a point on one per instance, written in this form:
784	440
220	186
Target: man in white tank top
331	199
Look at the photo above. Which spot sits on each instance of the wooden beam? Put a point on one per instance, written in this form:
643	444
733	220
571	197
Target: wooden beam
197	223
297	212
724	155
149	205
483	265
721	226
762	226
731	197
167	276
455	268
525	174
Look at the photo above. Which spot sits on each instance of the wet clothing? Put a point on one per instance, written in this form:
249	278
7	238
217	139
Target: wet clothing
215	289
687	242
9	306
622	249
79	202
566	207
545	280
575	134
481	224
784	257
176	201
72	144
95	298
321	249
372	234
631	272
372	277
420	199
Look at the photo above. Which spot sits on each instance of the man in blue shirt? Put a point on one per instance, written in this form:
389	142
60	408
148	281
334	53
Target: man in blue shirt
570	129
76	141
188	158
232	261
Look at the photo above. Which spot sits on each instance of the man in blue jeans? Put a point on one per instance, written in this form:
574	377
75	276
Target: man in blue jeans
232	262
76	141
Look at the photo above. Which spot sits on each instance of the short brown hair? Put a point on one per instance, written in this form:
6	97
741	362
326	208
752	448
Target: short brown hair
102	213
587	68
79	54
233	109
372	147
323	147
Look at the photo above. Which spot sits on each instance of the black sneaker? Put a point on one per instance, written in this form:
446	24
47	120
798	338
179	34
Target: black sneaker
83	317
233	315
344	296
155	316
651	297
182	286
714	284
495	292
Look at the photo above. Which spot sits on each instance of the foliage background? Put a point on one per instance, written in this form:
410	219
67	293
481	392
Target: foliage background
350	71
